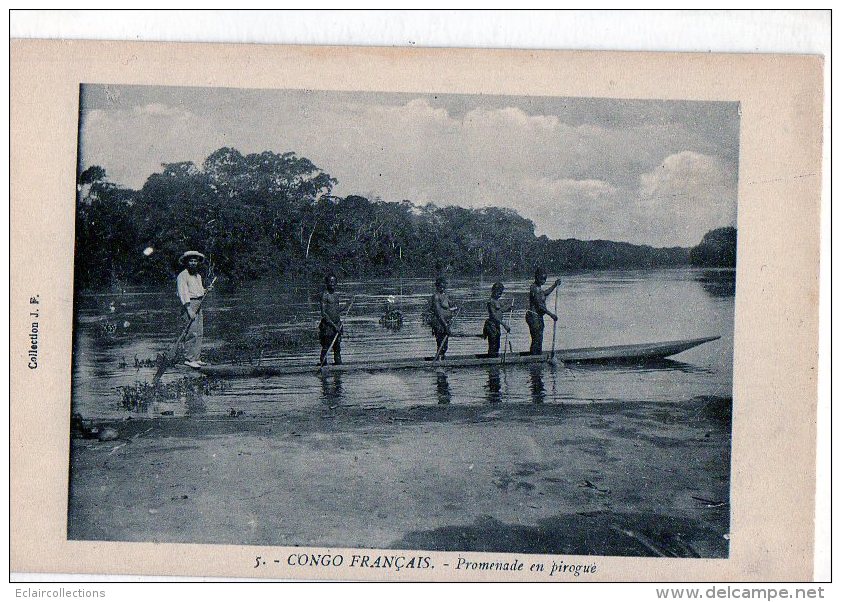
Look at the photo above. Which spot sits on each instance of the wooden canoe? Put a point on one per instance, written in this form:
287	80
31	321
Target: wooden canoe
613	354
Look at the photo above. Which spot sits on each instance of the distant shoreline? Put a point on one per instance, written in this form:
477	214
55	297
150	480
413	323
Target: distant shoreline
276	213
314	278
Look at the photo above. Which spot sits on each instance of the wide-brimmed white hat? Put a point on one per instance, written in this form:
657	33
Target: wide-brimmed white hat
190	254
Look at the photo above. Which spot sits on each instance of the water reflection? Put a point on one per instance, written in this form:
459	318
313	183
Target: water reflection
331	388
181	397
494	385
537	386
194	403
652	365
442	388
600	308
718	283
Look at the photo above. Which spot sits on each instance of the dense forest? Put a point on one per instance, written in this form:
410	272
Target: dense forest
717	249
266	215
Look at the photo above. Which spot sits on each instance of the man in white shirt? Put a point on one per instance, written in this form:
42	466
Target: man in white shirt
190	292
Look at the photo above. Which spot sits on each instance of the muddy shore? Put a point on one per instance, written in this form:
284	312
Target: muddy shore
642	479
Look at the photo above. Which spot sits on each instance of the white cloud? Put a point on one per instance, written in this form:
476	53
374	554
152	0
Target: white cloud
584	209
674	205
576	189
690	193
511	117
133	143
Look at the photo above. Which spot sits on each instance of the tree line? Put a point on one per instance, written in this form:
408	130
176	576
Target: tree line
717	249
268	215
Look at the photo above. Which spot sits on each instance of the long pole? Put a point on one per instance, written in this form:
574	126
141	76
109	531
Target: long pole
507	332
555	324
446	337
441	346
180	339
338	332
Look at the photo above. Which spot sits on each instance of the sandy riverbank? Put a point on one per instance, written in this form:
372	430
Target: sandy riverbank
608	479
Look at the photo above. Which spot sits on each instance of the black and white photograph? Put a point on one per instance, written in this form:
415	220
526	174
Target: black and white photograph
403	322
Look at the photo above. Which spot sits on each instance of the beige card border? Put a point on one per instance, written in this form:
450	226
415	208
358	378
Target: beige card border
776	330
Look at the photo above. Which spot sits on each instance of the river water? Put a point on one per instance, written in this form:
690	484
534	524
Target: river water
118	333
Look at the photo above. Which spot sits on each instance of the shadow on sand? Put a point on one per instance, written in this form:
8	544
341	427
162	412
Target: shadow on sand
586	533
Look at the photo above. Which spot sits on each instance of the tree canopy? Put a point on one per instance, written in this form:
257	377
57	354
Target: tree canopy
267	215
717	249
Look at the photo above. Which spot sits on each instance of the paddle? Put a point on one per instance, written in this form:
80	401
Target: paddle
440	347
507	332
554	325
338	332
446	338
166	357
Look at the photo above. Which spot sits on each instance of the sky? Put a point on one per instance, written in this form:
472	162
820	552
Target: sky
661	173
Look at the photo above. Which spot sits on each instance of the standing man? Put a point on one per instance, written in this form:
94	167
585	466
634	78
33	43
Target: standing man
496	320
442	316
331	325
190	292
537	309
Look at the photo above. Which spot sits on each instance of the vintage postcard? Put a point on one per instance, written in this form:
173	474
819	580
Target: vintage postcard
390	314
